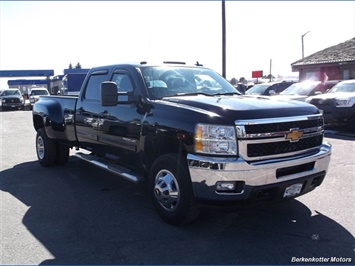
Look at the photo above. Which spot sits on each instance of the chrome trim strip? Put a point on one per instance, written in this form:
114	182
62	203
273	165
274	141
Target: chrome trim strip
276	120
317	130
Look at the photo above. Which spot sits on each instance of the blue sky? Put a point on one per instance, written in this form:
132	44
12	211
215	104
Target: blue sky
52	34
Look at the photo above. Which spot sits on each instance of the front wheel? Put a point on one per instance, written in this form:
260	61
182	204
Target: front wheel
171	190
46	149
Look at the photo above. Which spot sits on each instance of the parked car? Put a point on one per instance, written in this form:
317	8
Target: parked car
338	105
301	90
36	93
269	88
12	98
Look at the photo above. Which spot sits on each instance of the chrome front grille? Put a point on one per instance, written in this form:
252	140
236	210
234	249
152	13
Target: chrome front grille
262	139
12	100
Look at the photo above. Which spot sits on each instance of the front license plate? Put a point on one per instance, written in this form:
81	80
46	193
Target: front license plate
13	106
293	190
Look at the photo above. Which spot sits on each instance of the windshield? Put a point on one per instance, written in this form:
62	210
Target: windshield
178	81
343	87
10	92
39	92
257	89
301	88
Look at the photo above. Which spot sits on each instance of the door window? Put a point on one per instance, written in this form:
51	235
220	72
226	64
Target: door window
123	82
92	92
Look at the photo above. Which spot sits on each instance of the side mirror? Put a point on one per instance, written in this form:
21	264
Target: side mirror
272	92
317	93
109	96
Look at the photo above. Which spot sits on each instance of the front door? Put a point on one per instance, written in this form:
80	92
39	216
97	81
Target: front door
119	130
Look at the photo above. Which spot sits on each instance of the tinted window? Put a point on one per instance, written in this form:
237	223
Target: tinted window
123	82
92	91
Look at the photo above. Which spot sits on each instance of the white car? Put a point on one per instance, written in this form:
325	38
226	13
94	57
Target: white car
300	91
338	105
36	93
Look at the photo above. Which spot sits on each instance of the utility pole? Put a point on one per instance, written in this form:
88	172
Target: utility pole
302	44
270	70
223	39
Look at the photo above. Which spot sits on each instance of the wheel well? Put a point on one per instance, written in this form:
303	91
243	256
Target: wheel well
160	145
38	122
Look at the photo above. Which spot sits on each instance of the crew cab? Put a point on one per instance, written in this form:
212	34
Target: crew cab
195	143
338	105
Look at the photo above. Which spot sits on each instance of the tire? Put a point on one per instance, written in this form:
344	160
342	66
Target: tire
62	154
171	190
45	148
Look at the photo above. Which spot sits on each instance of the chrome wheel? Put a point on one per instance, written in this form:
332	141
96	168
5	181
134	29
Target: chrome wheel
171	190
40	147
45	148
166	190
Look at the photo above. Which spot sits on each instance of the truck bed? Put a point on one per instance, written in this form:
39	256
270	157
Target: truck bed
59	111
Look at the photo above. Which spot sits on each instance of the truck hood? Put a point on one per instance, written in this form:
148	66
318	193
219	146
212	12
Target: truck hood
242	107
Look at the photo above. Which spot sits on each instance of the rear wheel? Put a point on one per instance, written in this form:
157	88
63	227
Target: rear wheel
171	190
46	148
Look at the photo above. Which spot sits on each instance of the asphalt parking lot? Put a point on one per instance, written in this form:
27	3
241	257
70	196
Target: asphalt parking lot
78	214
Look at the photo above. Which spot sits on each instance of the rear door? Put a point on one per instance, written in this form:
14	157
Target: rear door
88	109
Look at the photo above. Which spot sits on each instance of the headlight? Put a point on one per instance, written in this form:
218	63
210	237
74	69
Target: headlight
3	101
213	139
342	102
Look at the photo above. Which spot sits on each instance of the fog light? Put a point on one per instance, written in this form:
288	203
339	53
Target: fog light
230	187
225	185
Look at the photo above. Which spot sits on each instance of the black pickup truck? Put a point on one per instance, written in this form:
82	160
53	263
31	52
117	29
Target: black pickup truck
188	133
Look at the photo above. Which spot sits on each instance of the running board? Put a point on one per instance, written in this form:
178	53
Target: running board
110	166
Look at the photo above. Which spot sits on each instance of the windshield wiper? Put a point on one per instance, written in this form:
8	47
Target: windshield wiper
194	93
227	93
202	93
208	94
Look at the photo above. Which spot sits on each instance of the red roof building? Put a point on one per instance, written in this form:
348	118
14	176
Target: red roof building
334	63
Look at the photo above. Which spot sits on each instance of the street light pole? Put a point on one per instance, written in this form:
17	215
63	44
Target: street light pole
223	39
302	44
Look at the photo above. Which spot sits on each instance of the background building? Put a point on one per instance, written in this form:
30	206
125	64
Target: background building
334	63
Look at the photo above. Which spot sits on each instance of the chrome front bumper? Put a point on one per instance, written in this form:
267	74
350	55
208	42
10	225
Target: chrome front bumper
205	172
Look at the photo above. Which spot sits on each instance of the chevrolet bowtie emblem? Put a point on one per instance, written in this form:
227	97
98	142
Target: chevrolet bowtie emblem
294	135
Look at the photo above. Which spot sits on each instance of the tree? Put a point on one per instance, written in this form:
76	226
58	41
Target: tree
78	66
70	66
233	81
243	80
